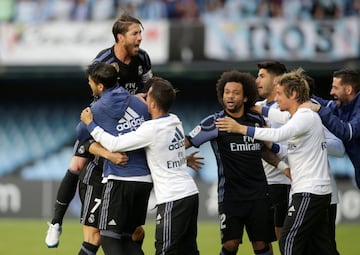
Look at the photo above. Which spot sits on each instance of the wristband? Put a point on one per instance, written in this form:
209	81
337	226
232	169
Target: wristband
275	148
282	166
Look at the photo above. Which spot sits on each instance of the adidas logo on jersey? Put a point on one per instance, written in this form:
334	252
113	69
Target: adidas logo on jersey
158	219
131	120
178	141
291	210
112	223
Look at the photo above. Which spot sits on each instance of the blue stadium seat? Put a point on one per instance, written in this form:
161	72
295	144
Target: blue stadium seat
37	141
30	132
52	167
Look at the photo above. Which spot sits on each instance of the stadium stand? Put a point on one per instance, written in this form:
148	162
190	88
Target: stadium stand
86	10
36	138
35	132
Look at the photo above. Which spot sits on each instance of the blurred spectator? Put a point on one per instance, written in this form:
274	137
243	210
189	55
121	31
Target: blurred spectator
102	10
46	10
153	10
7	10
356	6
215	8
297	9
326	9
80	10
62	9
270	9
241	8
184	10
352	7
190	10
26	11
132	7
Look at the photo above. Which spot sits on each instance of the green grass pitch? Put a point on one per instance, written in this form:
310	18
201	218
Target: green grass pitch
26	236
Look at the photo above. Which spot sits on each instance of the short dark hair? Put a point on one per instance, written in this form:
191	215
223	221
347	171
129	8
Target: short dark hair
103	73
162	91
273	67
122	24
247	81
349	77
311	82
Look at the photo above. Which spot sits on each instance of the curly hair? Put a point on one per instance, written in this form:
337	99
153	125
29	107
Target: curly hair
245	79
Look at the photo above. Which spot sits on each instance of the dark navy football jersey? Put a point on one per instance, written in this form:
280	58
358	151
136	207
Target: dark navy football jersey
131	76
240	171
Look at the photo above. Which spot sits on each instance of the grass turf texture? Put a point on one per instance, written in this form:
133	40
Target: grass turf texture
26	236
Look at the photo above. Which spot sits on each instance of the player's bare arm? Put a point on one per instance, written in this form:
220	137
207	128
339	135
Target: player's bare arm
118	158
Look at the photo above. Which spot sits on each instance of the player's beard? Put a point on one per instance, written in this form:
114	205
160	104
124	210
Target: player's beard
236	108
131	49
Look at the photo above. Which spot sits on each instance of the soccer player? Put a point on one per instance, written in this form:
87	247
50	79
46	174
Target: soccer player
175	190
306	224
279	183
90	191
242	187
134	69
335	147
127	187
342	115
132	63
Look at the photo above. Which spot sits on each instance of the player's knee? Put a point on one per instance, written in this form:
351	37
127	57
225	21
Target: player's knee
92	235
139	234
231	246
262	249
77	164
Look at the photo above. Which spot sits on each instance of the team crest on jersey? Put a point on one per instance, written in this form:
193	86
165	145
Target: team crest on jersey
91	218
195	131
81	149
140	70
323	145
116	65
291	146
